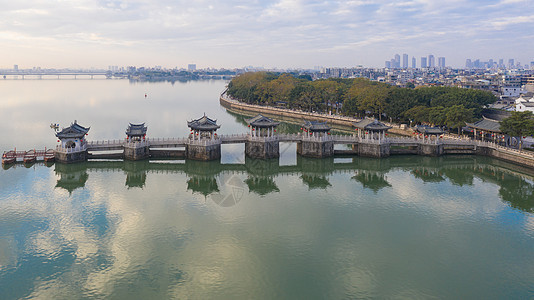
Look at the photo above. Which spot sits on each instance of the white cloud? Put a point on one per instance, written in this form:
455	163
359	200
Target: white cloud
155	31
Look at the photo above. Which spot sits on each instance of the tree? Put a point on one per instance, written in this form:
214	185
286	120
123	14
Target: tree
457	115
328	90
519	124
373	99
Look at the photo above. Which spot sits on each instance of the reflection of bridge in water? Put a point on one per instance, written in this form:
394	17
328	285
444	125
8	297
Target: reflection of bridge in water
516	186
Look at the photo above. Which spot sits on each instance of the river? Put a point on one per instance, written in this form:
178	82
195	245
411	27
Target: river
454	227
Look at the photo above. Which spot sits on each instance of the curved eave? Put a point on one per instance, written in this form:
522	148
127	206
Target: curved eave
264	124
205	127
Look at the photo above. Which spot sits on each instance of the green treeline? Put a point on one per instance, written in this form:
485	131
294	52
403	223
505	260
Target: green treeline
447	106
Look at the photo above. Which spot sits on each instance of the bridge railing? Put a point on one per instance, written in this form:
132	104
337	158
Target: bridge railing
106	143
233	137
166	141
71	150
205	142
137	144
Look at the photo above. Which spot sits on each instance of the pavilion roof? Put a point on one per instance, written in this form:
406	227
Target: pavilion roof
315	126
75	130
203	123
486	125
136	129
262	121
424	129
371	125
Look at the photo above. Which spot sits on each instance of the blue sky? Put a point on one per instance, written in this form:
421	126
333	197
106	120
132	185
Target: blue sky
285	33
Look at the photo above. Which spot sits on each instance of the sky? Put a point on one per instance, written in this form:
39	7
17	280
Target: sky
270	34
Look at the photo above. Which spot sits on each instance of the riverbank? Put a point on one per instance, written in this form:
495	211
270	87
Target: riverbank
522	158
341	123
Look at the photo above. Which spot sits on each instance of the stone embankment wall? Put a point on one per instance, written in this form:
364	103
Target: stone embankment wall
295	116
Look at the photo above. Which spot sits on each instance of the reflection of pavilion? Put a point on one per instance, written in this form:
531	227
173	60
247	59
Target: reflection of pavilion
135	173
315	181
374	180
516	188
428	174
261	185
137	179
71	176
204	185
261	173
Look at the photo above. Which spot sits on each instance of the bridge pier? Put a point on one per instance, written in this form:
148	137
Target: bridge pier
318	148
136	151
376	150
431	149
262	148
201	151
70	157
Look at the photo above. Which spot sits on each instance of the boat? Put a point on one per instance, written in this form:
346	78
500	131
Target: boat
49	156
29	157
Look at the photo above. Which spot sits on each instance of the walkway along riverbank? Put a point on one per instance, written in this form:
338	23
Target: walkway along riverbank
448	145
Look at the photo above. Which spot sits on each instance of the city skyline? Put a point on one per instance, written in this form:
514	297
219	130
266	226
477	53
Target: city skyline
284	34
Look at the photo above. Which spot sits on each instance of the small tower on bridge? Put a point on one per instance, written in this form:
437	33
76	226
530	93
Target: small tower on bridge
136	147
203	142
371	129
73	147
316	141
372	134
262	141
136	132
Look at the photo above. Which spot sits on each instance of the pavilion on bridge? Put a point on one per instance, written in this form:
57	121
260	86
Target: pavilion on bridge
203	129
73	146
203	141
262	141
72	137
316	129
136	132
315	141
427	132
371	129
136	148
261	126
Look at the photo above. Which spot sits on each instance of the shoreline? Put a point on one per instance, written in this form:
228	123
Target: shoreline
336	122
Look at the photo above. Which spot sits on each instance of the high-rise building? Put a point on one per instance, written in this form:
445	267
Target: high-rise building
191	67
511	63
423	62
388	64
468	64
397	61
414	62
431	61
405	61
441	62
16	67
501	63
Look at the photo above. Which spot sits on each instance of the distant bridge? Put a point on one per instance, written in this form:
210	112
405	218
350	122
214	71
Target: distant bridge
40	74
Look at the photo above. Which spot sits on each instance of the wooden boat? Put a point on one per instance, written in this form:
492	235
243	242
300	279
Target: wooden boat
49	156
8	158
29	157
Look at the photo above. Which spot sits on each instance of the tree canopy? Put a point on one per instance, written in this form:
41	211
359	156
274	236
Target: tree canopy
448	106
519	124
